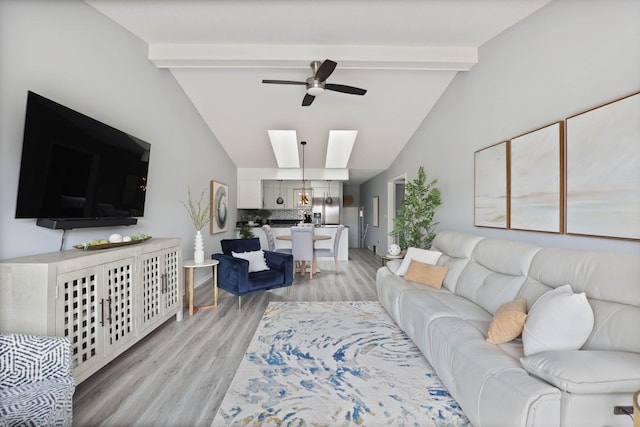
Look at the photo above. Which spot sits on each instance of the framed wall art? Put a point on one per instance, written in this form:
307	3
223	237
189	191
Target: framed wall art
603	170
376	211
219	207
536	185
491	186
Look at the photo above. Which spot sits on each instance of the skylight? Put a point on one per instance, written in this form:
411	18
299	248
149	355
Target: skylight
339	148
285	148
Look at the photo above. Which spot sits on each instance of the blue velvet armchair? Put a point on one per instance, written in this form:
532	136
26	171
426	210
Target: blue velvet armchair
234	276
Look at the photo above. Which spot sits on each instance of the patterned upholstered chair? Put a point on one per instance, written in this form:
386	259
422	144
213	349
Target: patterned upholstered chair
332	252
36	381
302	248
271	240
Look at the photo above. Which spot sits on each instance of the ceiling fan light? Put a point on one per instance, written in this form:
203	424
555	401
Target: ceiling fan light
315	90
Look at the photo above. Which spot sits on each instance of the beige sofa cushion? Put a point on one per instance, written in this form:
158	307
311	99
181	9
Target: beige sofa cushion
422	255
426	274
508	322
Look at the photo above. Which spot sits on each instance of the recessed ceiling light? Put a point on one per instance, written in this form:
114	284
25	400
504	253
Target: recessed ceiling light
339	148
285	148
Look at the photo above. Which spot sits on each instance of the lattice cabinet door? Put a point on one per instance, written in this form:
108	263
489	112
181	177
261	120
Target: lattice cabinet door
118	304
151	285
78	316
172	295
161	292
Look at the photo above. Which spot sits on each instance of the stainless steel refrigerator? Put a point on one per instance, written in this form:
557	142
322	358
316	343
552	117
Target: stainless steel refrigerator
330	213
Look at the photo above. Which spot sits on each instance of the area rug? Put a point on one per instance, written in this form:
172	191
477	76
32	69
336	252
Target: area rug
335	364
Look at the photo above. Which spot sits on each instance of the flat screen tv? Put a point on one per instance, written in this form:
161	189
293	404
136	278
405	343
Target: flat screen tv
77	172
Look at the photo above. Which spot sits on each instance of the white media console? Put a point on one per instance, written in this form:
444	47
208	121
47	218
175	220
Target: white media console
103	300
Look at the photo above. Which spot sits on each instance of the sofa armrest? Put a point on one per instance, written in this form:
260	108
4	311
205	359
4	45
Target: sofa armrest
233	273
281	262
26	359
587	371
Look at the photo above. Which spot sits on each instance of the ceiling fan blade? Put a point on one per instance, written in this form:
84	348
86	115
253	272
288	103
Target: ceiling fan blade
284	82
325	70
307	100
345	89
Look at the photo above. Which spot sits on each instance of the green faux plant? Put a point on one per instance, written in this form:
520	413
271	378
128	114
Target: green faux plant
200	216
263	213
414	224
245	231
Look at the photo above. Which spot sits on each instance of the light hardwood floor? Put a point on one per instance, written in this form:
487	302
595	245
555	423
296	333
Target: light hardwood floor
179	374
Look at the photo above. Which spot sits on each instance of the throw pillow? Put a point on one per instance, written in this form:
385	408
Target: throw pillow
507	322
256	259
426	274
558	320
422	255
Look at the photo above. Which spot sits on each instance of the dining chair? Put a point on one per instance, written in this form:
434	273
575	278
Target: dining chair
326	252
271	240
302	247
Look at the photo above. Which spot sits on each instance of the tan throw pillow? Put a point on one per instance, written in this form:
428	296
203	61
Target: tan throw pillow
426	274
508	322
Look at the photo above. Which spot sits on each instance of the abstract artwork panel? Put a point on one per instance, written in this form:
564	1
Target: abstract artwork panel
219	207
603	170
490	203
536	180
375	206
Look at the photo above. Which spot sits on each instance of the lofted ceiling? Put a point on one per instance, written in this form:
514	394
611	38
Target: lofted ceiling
404	52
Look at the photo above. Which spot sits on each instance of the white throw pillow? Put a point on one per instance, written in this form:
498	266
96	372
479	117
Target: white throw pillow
559	320
421	255
256	259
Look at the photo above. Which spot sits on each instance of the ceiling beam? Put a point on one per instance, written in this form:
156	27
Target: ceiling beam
294	174
176	55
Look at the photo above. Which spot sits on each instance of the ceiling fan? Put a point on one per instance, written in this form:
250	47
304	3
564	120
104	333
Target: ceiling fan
317	84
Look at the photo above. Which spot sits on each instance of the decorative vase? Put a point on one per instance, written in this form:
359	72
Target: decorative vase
198	254
394	250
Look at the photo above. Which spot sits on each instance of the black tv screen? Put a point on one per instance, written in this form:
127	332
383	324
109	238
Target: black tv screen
76	168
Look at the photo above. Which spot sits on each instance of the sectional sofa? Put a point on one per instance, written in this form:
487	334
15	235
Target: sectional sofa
563	384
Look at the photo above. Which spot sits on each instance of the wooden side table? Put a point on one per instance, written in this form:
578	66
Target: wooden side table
388	257
190	267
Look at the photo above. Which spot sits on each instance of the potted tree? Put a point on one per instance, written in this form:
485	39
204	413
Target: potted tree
414	224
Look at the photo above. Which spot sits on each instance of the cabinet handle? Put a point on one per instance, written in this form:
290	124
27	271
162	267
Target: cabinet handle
109	318
163	288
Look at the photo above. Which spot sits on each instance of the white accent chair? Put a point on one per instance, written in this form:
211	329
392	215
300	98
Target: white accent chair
302	248
271	240
325	252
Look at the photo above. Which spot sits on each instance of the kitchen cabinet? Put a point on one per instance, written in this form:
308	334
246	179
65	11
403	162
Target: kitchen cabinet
249	194
104	301
291	192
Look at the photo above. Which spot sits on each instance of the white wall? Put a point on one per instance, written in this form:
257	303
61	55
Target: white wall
567	57
69	52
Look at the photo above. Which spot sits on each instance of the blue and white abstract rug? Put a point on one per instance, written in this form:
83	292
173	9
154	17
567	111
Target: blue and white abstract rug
335	364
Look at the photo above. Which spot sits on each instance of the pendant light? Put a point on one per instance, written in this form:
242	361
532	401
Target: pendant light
304	199
279	199
329	199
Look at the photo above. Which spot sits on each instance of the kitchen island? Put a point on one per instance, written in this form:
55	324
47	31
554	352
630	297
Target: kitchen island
327	230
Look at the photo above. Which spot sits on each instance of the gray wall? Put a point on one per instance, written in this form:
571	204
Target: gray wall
69	52
567	57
